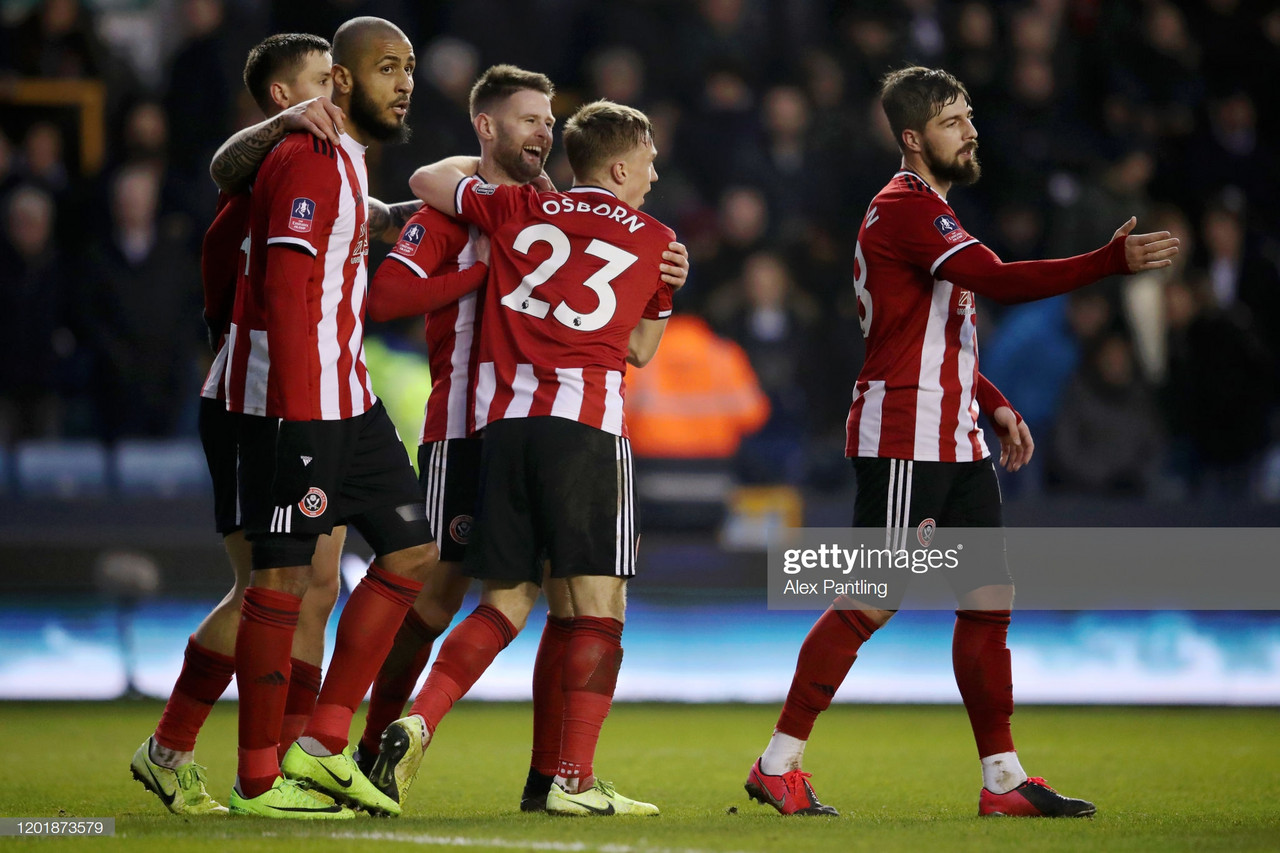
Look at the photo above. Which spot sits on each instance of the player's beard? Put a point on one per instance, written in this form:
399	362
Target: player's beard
509	154
955	172
371	118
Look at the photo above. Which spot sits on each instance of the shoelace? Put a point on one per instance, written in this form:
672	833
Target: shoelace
187	771
604	787
794	781
1043	784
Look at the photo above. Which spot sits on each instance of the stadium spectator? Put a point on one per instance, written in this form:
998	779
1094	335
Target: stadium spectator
697	399
1106	438
35	338
144	330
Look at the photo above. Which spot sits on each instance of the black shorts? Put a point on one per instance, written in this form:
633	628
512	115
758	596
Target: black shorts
449	472
911	499
218	435
360	476
552	487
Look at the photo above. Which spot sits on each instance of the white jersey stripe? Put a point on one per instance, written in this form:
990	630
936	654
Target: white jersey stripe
568	403
464	327
929	383
216	370
523	386
967	417
871	419
335	260
486	386
255	383
612	421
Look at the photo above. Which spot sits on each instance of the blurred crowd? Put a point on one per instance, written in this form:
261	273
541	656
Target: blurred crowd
771	143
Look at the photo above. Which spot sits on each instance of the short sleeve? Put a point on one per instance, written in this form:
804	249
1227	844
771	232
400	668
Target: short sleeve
924	231
660	306
424	245
302	199
488	206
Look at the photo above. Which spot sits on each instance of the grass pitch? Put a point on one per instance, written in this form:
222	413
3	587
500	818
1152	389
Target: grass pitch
903	777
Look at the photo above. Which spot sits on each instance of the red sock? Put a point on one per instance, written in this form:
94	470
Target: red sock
984	675
464	656
395	681
825	657
592	658
366	631
204	677
267	621
548	695
304	687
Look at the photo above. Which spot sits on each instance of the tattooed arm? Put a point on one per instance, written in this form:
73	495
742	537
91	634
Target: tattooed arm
237	161
386	220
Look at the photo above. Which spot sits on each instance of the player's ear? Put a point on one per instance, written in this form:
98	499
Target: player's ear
618	171
279	94
342	81
485	126
912	141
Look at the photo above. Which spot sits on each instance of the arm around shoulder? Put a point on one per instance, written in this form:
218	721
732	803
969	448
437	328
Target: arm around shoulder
435	184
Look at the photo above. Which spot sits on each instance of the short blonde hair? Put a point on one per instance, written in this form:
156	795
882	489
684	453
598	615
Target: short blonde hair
602	130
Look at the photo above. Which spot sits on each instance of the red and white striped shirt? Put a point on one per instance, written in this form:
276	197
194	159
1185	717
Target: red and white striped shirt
221	258
297	333
570	275
915	397
432	246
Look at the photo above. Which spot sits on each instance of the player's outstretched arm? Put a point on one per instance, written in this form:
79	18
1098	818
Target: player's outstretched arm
977	268
238	159
435	184
386	221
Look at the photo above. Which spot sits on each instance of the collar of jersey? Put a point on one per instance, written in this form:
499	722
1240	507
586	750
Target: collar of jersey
916	175
589	189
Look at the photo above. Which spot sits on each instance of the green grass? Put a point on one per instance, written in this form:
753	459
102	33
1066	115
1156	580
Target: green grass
904	778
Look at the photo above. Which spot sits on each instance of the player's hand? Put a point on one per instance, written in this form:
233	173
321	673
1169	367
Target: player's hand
1016	445
676	268
481	242
295	462
1146	251
318	116
543	183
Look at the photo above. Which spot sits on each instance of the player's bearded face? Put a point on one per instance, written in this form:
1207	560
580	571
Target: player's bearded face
961	168
513	152
381	116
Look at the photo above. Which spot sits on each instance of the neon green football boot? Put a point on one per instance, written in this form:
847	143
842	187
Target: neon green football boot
339	777
181	789
288	800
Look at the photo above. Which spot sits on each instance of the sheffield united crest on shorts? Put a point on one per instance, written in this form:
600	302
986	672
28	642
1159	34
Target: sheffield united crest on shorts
410	239
313	503
460	529
949	229
301	212
924	532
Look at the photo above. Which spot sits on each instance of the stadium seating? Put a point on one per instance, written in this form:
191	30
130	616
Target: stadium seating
61	468
161	468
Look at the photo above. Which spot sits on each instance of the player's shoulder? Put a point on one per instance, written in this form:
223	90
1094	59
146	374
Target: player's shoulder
303	152
605	204
427	223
